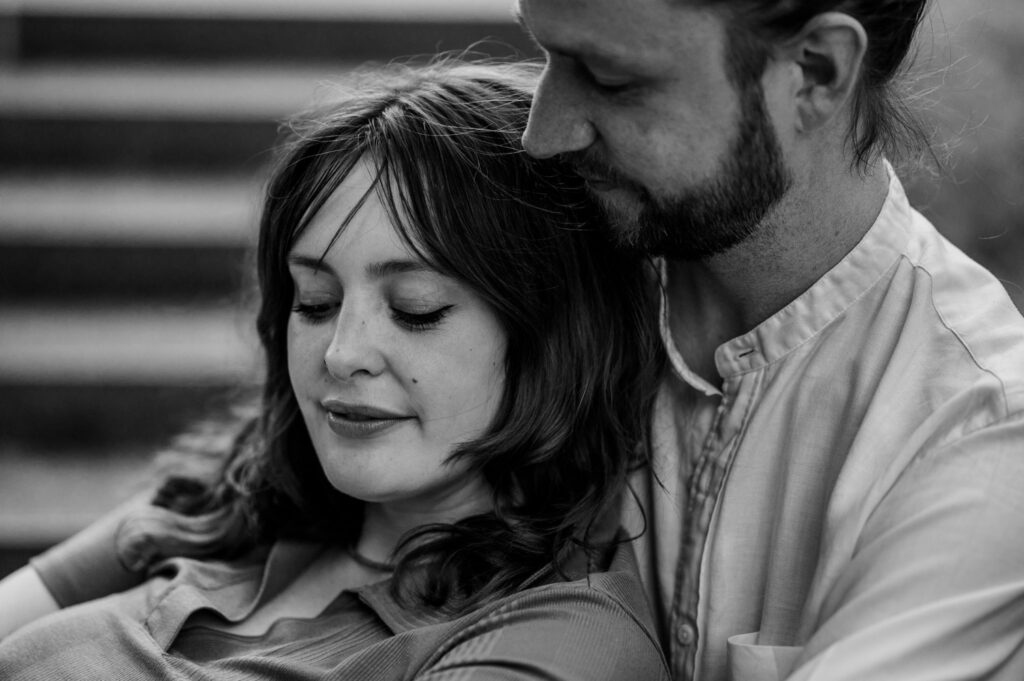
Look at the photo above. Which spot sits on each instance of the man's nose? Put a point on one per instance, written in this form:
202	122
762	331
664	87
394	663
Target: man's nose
557	124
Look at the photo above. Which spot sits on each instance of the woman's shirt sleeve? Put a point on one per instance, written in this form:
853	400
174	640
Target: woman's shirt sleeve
599	632
86	566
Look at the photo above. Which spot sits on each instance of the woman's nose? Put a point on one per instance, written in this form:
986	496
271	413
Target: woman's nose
355	349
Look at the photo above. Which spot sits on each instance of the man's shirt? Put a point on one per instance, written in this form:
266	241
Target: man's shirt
849	502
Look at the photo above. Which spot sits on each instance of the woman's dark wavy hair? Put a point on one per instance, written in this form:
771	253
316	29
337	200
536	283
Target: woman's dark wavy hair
583	354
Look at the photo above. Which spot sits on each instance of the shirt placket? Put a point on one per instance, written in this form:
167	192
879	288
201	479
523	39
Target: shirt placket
704	486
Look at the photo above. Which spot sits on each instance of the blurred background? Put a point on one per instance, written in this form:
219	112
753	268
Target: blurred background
133	139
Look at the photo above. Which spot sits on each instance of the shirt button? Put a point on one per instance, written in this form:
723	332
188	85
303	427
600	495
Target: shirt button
686	634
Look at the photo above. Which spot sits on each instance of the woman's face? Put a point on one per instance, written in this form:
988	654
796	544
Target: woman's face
393	364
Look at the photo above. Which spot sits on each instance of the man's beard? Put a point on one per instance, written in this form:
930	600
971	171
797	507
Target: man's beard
713	216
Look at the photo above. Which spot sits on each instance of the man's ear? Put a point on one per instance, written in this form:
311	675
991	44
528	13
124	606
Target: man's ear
828	53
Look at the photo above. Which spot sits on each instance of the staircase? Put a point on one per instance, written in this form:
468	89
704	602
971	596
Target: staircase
134	137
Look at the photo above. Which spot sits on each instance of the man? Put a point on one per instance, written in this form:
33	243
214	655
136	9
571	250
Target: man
838	484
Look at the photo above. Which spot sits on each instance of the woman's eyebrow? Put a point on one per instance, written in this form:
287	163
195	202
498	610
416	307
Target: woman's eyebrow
314	263
387	268
375	270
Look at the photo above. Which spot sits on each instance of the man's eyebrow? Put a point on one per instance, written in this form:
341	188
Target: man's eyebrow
584	51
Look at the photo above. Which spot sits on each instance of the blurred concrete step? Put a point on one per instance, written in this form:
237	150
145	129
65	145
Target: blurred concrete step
100	415
77	274
125	346
152	119
46	495
110	376
123	209
125	143
230	92
115	238
264	31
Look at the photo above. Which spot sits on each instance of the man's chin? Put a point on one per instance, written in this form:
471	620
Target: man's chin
620	205
638	227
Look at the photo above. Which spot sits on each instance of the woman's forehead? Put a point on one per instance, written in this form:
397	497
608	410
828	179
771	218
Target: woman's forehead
354	230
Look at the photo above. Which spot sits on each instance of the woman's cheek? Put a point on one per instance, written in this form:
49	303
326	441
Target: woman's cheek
302	357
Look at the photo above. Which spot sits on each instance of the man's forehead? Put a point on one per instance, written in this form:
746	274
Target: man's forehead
611	30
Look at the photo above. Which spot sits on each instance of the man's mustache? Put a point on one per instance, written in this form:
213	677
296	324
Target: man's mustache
590	167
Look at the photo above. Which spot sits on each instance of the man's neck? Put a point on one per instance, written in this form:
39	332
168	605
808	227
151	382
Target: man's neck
816	224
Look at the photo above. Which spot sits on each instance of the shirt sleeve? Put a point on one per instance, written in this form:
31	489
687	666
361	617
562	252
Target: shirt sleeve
86	565
935	587
551	635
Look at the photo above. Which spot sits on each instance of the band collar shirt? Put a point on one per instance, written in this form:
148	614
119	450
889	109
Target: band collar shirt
848	503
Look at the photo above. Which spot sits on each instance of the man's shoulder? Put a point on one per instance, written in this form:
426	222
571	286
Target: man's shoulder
960	307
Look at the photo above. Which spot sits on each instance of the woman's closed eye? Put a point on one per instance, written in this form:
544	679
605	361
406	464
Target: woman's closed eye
420	320
314	311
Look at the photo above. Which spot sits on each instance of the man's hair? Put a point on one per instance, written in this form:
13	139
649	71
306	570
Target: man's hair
881	122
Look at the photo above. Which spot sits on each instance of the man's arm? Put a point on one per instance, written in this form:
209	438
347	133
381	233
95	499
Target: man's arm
935	586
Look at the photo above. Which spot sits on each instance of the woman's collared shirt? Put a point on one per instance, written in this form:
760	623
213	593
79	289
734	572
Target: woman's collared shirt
592	628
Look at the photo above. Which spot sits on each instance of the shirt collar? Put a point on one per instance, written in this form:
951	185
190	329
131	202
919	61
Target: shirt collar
813	310
675	358
234	590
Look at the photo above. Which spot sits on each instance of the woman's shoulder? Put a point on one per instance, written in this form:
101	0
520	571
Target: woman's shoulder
614	582
596	627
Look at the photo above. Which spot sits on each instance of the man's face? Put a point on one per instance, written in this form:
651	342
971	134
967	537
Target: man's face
637	94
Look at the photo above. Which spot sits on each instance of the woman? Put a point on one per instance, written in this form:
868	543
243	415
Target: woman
458	370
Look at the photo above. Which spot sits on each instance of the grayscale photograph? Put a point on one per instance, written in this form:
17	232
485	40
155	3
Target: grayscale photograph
511	340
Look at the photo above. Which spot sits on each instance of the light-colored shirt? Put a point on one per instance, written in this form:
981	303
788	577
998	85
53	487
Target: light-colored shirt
593	628
850	503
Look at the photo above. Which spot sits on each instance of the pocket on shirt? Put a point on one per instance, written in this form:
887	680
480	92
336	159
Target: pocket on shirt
750	661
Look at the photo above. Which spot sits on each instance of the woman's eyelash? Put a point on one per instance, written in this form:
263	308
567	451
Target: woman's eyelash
416	321
420	321
313	312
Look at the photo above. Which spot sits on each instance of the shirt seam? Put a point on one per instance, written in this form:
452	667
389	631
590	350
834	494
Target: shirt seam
963	343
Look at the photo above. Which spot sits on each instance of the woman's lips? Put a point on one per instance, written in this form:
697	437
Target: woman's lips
360	421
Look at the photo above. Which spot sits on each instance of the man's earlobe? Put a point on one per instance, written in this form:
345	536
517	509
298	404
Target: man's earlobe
829	53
